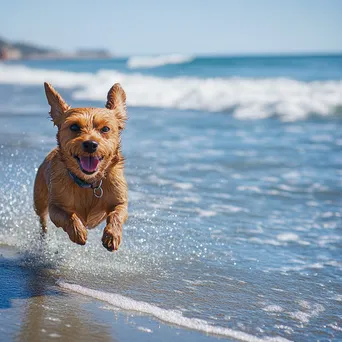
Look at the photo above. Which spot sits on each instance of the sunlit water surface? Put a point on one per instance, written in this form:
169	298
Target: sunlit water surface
233	222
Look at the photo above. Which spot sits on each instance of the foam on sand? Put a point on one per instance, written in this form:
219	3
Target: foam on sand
169	316
157	61
245	98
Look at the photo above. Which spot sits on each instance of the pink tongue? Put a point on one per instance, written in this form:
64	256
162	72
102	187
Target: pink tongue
89	164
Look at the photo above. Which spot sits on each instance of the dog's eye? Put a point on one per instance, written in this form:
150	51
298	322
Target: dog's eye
75	128
105	129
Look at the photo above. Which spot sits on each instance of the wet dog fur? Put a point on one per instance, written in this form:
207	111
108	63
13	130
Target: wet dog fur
71	207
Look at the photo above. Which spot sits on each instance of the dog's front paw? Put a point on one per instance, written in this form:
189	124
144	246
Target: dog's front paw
112	236
76	231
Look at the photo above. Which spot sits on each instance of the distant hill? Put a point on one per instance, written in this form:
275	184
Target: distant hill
23	50
26	49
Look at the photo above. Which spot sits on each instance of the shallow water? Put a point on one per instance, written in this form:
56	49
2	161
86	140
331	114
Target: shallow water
234	224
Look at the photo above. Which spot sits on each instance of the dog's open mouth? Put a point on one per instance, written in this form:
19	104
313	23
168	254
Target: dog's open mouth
88	164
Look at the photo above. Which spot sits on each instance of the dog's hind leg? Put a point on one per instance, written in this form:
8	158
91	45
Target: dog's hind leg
41	197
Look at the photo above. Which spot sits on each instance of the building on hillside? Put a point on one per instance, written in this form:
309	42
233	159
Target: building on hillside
10	53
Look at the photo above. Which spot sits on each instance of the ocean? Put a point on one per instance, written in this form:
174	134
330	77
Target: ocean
234	168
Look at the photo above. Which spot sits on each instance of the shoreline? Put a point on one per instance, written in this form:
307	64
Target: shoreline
42	310
45	307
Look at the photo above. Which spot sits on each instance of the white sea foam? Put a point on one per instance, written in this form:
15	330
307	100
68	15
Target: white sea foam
157	61
335	326
338	298
183	186
273	308
205	213
310	266
291	237
287	237
54	335
311	310
145	329
169	316
227	208
249	188
246	98
285	328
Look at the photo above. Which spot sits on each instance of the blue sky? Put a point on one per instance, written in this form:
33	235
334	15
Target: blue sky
128	27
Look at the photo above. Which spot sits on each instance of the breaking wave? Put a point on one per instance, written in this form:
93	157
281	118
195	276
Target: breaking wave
157	61
169	316
245	98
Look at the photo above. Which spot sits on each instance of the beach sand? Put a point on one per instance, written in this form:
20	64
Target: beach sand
34	308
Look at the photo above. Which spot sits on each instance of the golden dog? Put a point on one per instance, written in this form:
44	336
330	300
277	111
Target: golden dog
81	182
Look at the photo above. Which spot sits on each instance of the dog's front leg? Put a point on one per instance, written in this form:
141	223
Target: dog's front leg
112	234
70	224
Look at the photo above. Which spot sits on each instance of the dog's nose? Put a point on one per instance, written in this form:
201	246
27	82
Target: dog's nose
90	146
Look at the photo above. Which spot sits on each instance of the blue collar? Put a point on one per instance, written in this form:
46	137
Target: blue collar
79	181
97	190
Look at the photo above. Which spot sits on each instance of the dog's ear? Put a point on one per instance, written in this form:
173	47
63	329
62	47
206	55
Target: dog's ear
58	105
116	100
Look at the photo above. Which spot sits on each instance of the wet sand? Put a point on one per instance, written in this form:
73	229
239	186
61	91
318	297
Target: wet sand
34	308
